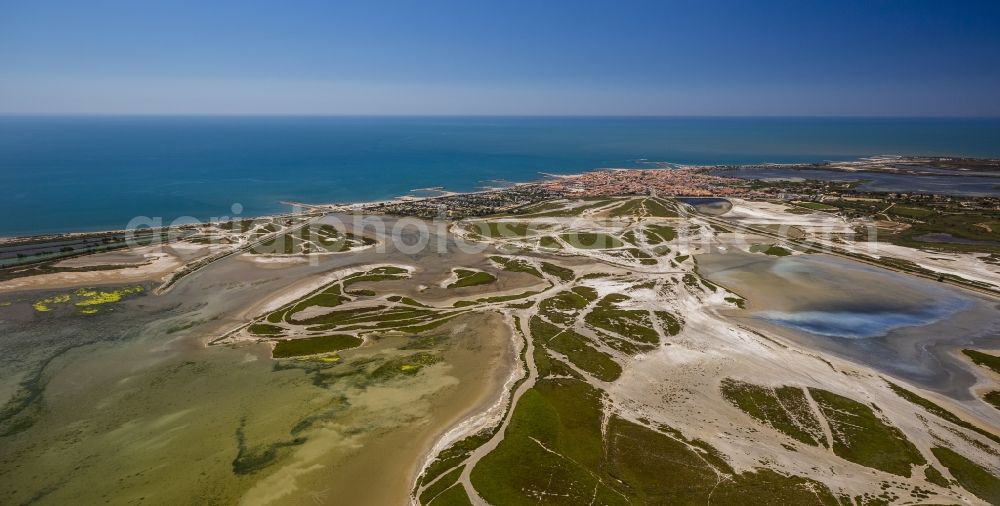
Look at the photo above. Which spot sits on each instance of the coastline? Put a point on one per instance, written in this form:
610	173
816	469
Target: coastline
323	207
874	164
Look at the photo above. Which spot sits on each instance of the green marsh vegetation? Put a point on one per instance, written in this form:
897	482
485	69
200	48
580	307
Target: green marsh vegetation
471	278
454	455
859	434
329	297
313	238
364	292
645	207
938	411
580	353
661	250
377	274
314	345
970	476
631	238
332	295
635	324
586	292
575	347
631	207
566	209
404	315
984	359
563	308
555	449
265	329
862	437
623	345
634	254
374	317
739	302
932	475
415	328
454	496
925	214
816	206
551	445
661	208
697	472
439	486
521	305
238	225
286	244
656	234
510	264
993	398
550	243
540	207
785	409
691	280
770	250
562	273
323	299
504	229
496	298
591	240
405	300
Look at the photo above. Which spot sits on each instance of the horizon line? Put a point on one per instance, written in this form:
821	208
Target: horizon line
480	115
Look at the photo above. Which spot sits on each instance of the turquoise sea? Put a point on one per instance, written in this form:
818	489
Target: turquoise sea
91	173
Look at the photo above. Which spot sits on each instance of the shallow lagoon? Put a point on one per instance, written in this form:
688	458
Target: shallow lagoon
133	408
861	323
904	326
967	185
712	206
865	310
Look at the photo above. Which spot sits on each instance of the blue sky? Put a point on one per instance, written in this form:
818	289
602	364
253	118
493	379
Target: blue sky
901	58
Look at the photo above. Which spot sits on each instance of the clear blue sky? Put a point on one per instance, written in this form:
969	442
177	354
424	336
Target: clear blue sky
829	57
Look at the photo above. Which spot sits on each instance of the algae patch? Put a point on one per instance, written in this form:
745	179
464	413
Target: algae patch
87	300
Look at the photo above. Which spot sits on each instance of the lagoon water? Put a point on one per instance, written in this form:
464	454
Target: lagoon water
904	326
128	405
862	323
968	185
90	173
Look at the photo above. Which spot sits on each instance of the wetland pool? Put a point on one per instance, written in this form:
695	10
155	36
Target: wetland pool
946	183
903	326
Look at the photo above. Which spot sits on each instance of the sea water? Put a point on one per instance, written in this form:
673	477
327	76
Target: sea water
63	174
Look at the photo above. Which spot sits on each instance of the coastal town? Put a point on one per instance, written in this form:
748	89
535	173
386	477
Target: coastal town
735	181
683	182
